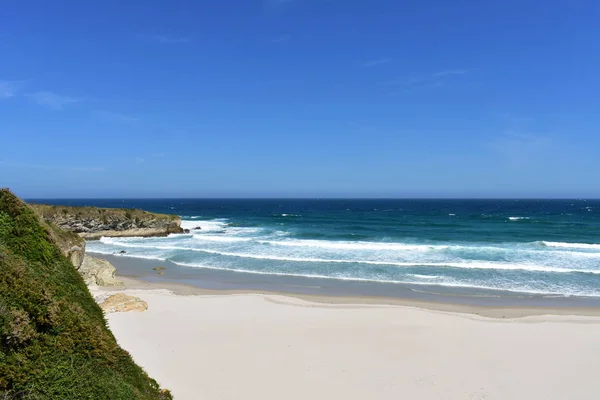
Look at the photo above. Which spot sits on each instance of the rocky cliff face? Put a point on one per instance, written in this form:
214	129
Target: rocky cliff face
93	223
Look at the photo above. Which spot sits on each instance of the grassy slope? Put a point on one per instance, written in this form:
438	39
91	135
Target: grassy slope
54	342
50	212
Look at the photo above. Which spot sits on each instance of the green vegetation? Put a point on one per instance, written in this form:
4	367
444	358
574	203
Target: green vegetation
65	239
54	342
93	222
50	213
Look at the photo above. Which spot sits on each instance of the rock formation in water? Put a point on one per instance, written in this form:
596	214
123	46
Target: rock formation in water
93	222
54	341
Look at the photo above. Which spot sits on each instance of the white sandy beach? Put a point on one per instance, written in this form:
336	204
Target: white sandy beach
256	346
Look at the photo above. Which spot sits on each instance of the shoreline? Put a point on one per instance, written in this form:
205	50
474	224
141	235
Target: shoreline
196	341
138	274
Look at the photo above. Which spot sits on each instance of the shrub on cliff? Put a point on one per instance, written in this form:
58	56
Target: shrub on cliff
93	222
54	342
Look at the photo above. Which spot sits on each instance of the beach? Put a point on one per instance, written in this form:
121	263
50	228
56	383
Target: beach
365	299
220	345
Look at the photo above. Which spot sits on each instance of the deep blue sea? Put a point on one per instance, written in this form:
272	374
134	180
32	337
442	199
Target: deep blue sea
532	246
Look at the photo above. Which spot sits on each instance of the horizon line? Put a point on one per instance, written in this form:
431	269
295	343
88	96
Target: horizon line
311	198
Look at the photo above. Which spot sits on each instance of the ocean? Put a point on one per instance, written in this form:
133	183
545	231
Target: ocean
545	247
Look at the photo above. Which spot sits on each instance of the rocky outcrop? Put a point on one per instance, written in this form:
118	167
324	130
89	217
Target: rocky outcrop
92	222
121	302
139	232
96	271
70	244
76	255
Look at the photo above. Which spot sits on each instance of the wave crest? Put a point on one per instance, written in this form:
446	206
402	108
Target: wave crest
586	246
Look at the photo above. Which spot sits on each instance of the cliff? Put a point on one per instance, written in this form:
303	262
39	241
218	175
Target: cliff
54	341
93	222
71	245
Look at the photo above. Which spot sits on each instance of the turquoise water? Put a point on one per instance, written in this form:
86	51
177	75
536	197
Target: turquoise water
532	246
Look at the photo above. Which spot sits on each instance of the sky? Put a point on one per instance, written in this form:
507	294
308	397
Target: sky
300	98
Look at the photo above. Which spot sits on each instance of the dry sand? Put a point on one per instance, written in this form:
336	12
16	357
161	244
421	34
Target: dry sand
263	346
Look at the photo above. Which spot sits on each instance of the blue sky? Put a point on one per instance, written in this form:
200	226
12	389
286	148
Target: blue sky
300	98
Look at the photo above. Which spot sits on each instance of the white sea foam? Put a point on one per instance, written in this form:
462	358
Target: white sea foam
426	276
178	235
519	252
326	244
243	231
586	246
501	266
518	218
466	264
447	282
130	255
213	225
116	240
443	281
221	239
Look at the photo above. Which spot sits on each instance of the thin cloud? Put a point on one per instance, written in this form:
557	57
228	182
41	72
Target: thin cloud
52	167
374	63
53	100
139	160
9	89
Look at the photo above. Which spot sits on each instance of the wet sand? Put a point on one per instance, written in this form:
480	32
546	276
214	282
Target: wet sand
140	273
